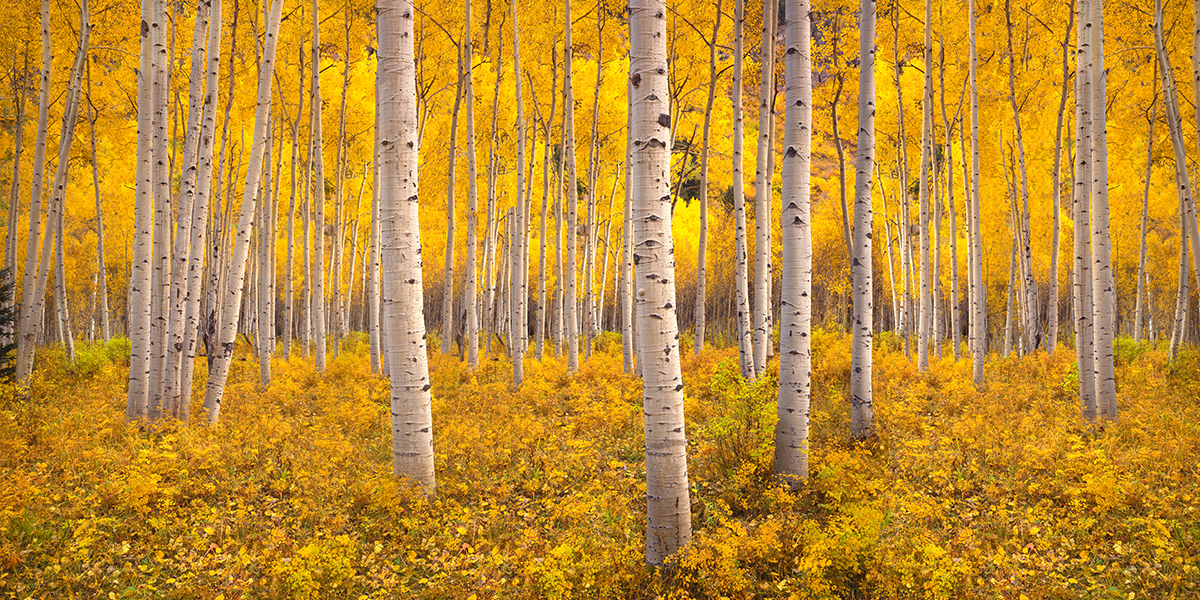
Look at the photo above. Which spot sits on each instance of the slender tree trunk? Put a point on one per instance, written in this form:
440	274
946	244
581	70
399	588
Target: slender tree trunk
241	251
668	507
1103	284
1141	272
448	284
14	197
745	332
628	343
101	274
316	155
925	324
1029	301
1008	315
472	267
700	316
764	173
795	360
547	123
955	334
163	212
570	302
519	269
1083	194
979	295
289	301
1052	303
862	422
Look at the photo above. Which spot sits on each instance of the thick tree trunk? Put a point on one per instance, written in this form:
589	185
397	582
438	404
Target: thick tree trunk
668	507
412	416
1103	284
520	337
862	421
795	301
241	251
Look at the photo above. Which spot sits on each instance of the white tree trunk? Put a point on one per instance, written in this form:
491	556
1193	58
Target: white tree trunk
1052	302
448	279
764	173
862	421
228	326
570	303
979	291
795	301
668	507
404	315
1103	284
1083	194
925	323
745	332
318	198
519	291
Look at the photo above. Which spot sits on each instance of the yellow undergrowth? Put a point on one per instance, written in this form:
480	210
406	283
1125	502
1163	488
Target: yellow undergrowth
965	494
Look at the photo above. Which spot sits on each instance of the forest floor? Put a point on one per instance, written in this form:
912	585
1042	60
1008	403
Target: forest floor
965	494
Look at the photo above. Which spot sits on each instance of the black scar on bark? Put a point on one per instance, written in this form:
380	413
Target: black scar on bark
664	120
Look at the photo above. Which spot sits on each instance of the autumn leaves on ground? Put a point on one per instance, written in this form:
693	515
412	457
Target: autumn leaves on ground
541	493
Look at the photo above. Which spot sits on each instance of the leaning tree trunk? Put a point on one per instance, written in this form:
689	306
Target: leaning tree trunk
241	250
862	421
668	507
200	216
795	301
404	315
744	331
26	332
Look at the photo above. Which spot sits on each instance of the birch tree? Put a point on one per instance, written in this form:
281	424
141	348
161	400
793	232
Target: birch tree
764	173
1103	285
979	292
472	267
316	157
1083	194
570	302
745	333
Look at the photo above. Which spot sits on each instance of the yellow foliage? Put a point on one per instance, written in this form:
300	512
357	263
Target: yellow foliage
966	494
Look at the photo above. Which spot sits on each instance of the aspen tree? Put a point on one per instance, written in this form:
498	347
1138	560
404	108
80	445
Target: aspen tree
668	507
412	420
570	299
289	300
795	301
448	283
374	307
925	323
200	212
519	291
171	392
1052	303
26	331
1083	194
628	343
241	250
1029	301
472	267
547	124
700	316
948	128
101	274
316	157
745	332
10	246
491	225
862	422
1103	284
1141	271
761	312
979	295
265	273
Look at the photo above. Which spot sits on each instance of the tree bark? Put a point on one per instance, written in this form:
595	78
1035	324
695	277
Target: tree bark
570	300
472	267
316	156
764	173
1052	303
519	290
979	295
745	332
1082	200
795	360
448	283
862	422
